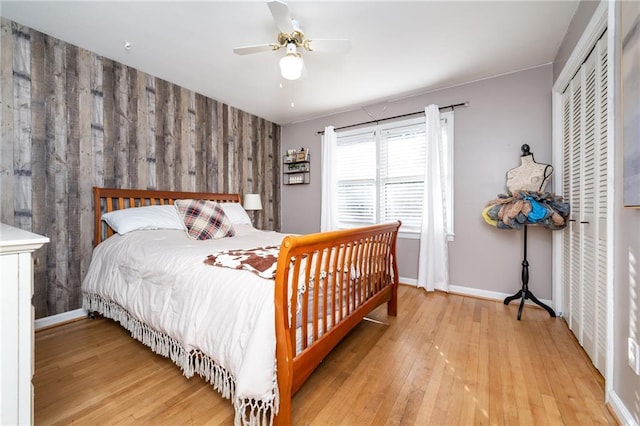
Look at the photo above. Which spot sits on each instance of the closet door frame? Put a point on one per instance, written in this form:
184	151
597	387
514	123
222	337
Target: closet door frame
603	18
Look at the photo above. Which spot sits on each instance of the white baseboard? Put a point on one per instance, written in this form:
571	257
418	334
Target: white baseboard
408	281
620	410
469	291
488	294
59	318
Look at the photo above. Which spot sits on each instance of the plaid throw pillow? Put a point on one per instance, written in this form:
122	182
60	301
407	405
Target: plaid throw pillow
205	220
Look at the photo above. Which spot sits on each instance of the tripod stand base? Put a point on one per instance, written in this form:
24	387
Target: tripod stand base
524	295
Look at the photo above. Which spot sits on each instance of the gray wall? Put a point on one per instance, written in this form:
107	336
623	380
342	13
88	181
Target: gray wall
626	282
504	113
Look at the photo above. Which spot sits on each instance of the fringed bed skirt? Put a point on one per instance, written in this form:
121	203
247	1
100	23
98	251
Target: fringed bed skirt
247	411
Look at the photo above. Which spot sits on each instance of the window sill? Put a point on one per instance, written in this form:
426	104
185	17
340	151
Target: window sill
416	236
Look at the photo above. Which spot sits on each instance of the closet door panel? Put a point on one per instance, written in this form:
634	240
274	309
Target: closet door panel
587	194
566	190
601	254
575	167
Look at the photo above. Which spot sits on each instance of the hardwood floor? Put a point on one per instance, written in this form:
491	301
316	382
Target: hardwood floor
446	359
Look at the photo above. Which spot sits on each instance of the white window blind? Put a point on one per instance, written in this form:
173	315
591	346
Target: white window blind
402	157
380	173
356	166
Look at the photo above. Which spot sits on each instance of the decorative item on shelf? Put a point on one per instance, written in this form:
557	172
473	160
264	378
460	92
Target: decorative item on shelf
295	179
303	154
298	167
292	155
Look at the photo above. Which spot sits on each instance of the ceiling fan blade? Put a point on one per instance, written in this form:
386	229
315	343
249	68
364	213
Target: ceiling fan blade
247	50
329	45
282	17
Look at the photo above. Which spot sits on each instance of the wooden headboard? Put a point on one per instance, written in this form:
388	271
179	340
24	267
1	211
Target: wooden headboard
110	199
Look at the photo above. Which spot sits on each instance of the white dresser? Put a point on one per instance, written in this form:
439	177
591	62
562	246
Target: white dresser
16	324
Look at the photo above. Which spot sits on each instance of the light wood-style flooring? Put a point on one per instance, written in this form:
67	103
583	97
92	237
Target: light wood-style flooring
445	360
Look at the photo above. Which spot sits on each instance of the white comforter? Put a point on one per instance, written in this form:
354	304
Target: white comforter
160	279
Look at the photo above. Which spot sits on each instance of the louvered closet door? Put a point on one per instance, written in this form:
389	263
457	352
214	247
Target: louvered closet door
573	164
584	252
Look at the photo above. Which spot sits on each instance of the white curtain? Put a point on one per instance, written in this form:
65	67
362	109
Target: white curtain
329	212
433	261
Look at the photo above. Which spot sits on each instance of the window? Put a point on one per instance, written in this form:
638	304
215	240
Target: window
380	174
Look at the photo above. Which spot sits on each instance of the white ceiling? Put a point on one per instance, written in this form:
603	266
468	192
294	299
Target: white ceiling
398	48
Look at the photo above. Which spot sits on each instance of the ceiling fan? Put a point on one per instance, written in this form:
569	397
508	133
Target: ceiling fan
292	38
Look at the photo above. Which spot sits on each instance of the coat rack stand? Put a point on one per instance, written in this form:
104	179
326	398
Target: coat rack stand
524	293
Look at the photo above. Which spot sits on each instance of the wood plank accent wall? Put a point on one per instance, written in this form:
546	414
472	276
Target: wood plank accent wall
71	119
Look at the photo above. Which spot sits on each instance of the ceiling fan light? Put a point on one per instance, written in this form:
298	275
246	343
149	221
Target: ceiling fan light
291	66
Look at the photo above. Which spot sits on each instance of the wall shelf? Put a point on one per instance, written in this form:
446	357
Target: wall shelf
296	172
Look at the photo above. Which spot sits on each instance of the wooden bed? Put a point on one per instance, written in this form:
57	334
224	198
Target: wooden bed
360	265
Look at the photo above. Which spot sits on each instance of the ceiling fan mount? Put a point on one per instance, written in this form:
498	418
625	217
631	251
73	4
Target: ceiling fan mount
296	37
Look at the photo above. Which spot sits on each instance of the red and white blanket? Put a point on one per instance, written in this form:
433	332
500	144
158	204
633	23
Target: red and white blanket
262	261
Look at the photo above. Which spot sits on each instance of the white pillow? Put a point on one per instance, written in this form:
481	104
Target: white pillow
236	213
148	217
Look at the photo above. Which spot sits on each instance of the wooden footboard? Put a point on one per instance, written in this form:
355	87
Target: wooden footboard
326	283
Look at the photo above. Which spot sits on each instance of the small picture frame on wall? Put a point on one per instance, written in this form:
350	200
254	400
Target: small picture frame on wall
630	35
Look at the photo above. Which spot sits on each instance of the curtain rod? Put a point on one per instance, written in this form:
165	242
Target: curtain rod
452	106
